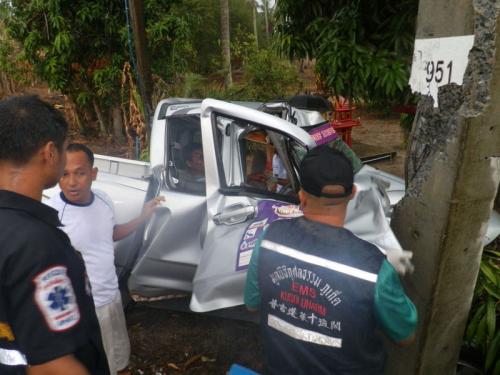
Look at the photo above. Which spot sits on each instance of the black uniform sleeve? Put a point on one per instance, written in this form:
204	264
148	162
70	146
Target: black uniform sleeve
42	305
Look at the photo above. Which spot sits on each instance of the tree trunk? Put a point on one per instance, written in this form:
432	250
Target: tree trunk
125	118
254	8
100	119
3	90
117	121
266	18
145	81
225	41
7	85
74	112
301	67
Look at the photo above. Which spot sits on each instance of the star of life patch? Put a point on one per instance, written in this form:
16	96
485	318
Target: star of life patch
55	298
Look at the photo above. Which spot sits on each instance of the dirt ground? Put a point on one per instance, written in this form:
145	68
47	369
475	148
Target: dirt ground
166	342
380	133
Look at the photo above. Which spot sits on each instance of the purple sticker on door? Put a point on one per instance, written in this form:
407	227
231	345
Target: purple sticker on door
323	134
267	212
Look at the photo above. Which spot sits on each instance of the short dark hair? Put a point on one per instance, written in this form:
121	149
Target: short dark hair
26	124
187	151
75	147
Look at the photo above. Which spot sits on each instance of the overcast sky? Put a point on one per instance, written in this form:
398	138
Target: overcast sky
271	2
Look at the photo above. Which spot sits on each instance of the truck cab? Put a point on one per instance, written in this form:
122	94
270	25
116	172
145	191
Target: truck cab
200	242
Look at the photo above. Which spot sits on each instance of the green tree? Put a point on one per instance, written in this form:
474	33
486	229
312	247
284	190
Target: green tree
13	71
482	333
267	77
80	46
205	31
362	48
170	33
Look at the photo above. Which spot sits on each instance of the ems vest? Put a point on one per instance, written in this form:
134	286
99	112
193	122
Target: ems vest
317	285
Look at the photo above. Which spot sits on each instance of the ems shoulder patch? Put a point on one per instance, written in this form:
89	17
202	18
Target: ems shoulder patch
55	298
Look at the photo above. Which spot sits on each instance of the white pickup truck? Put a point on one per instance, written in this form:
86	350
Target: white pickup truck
198	244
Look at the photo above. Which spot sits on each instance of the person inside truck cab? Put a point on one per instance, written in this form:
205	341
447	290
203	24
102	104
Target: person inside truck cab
192	178
193	156
257	173
279	179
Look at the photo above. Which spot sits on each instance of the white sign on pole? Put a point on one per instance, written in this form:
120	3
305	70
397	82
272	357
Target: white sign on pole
438	62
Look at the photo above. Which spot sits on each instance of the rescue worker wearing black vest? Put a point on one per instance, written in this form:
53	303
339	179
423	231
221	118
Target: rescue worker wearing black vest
47	318
322	292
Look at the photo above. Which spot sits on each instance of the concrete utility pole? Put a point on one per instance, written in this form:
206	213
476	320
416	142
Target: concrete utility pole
452	176
143	66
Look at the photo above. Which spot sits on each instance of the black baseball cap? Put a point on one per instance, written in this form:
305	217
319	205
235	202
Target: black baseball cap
324	166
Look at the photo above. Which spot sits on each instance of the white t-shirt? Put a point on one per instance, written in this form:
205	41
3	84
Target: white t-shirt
90	229
279	170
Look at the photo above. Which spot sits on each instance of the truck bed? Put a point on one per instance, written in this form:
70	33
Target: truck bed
121	166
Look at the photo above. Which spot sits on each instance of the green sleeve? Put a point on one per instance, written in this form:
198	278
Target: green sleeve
395	312
340	145
252	290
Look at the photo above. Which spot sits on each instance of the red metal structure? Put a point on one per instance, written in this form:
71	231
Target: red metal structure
342	120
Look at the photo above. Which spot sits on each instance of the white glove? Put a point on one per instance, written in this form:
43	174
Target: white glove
401	261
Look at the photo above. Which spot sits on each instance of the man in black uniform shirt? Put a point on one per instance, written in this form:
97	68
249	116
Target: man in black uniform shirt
47	318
